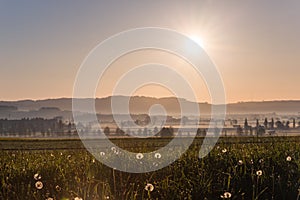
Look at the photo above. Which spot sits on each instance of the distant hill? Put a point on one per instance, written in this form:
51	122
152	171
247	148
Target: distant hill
138	105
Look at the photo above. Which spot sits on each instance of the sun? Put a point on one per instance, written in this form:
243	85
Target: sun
198	40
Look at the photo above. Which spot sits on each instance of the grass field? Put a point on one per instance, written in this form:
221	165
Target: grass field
237	168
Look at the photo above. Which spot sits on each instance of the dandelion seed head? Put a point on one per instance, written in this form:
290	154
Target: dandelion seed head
226	195
58	188
39	185
102	153
113	148
149	187
37	176
157	155
259	173
139	156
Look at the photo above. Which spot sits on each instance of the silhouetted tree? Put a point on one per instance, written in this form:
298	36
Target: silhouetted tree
294	123
106	130
266	123
272	123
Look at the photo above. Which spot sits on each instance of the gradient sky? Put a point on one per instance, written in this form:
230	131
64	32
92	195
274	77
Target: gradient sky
255	44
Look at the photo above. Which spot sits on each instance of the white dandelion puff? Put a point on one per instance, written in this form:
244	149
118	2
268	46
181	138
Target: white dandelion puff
259	173
157	155
289	158
240	162
58	188
102	153
139	156
39	185
113	149
37	176
226	195
149	187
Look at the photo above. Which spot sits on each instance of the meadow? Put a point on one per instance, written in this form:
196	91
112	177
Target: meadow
237	168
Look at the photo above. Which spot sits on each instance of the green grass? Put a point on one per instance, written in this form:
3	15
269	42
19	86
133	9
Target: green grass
67	171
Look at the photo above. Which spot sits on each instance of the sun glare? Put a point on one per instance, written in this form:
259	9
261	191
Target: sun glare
198	40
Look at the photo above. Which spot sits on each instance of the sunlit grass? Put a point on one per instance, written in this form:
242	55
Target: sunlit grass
231	171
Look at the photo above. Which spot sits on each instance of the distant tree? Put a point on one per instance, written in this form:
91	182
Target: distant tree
155	130
261	131
201	132
106	130
145	132
294	123
239	131
272	123
119	132
266	123
246	123
279	125
287	125
166	132
246	126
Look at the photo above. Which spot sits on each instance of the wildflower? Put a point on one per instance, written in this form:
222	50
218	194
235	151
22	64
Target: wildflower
240	162
102	153
226	195
139	156
224	150
157	155
113	149
50	198
149	187
93	161
261	160
37	176
259	173
107	197
77	198
58	188
39	185
69	157
289	158
61	153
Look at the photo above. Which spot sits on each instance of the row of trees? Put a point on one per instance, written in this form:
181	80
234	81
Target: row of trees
260	129
36	127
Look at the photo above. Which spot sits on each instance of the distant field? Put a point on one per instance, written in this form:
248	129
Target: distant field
127	143
246	167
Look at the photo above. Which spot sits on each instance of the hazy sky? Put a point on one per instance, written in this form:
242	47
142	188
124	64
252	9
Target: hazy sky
255	44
